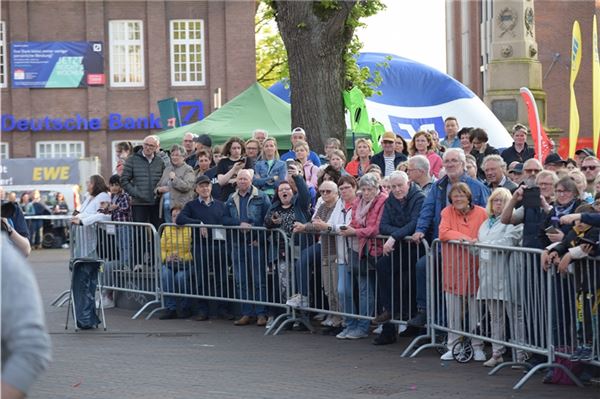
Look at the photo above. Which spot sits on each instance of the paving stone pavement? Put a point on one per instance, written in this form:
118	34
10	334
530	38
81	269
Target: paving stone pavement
215	359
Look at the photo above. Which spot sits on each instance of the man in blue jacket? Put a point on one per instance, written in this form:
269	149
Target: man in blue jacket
247	208
388	158
396	267
430	216
209	245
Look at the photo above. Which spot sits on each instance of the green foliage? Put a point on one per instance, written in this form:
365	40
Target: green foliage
271	57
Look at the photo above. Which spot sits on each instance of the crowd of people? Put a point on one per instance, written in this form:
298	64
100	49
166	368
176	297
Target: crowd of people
333	207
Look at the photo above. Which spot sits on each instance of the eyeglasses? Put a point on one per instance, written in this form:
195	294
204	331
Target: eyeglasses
532	170
251	148
561	192
325	192
343	188
591	167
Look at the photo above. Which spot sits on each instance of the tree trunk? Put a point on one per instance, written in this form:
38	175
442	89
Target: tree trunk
316	40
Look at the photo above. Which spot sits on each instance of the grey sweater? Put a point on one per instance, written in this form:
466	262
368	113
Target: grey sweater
26	349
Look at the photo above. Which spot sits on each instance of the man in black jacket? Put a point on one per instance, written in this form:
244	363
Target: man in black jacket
388	159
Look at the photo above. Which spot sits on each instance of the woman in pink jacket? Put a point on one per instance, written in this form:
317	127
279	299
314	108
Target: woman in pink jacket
367	210
460	221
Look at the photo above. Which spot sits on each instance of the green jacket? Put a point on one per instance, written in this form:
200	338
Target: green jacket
140	177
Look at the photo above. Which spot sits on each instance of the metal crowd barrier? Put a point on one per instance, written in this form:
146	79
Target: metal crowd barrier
501	295
130	252
249	266
357	287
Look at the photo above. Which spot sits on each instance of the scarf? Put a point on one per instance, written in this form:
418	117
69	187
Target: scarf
561	210
363	209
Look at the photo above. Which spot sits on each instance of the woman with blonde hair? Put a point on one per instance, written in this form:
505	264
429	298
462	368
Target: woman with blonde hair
363	150
493	268
579	178
311	171
422	144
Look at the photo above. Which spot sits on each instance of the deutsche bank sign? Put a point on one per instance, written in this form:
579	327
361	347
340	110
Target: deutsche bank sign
114	121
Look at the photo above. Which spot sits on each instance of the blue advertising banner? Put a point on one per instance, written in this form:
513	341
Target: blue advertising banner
57	64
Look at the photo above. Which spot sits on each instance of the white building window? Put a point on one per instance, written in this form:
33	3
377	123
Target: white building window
114	152
2	54
4	151
187	52
60	149
126	40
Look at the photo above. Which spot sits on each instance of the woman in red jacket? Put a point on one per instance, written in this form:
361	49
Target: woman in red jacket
361	160
460	221
367	210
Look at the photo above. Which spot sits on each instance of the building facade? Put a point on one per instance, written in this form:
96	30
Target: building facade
152	50
468	31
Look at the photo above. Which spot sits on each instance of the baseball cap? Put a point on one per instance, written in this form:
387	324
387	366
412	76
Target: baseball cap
553	158
298	130
203	139
388	136
518	169
587	151
202	179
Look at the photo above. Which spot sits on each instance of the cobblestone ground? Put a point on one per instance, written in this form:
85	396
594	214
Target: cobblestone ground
214	359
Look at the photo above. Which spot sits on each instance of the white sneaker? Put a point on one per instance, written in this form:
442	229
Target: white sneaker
356	334
343	334
107	302
320	316
138	268
494	361
297	301
65	246
328	322
479	355
378	330
447	356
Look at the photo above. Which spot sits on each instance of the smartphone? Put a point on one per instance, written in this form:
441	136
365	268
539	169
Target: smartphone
552	230
584	240
531	197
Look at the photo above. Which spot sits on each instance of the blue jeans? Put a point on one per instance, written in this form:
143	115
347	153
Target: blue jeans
309	258
177	278
247	256
359	269
345	288
124	243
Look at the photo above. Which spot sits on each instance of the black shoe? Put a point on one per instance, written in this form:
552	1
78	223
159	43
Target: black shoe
184	314
384	339
168	315
419	320
226	315
200	317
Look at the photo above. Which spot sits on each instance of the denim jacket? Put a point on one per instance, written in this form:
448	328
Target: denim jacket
262	174
258	205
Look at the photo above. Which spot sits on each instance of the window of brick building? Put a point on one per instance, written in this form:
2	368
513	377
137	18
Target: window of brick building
4	151
2	54
60	149
126	40
187	52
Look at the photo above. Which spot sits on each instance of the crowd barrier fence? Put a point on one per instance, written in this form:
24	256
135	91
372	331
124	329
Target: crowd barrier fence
475	292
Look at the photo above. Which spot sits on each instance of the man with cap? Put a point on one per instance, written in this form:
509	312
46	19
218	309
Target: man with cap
209	244
582	154
515	172
554	162
388	159
298	134
203	143
519	151
188	144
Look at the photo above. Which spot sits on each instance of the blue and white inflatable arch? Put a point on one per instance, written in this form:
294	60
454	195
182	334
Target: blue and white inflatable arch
416	96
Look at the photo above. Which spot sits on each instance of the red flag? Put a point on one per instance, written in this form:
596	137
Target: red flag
542	144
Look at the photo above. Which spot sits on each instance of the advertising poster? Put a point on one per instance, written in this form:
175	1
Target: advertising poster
57	64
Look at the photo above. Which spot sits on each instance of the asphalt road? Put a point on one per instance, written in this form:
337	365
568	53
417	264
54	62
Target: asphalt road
215	359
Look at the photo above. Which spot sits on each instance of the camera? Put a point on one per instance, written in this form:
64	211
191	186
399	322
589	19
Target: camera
531	197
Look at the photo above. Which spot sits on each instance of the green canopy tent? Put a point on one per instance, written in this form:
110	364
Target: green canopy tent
254	108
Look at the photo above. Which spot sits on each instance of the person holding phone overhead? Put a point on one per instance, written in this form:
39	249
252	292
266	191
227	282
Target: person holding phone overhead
228	167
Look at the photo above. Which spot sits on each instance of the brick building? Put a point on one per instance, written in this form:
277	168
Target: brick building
152	50
468	53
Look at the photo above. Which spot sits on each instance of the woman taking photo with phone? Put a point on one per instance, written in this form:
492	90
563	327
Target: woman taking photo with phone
228	167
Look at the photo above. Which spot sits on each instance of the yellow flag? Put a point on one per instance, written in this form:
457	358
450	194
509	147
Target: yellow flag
595	85
574	114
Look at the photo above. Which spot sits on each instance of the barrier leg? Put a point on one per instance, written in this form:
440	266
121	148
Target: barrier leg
276	322
62	297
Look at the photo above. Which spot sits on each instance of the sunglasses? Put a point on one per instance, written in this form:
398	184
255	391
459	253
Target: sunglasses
325	191
532	170
592	167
